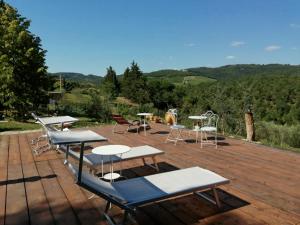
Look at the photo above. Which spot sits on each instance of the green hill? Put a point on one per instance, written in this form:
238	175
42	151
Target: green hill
240	70
90	79
178	77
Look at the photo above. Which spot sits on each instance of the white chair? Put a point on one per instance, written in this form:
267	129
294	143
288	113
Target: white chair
210	126
175	133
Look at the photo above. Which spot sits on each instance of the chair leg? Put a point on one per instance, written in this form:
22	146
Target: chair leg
169	135
201	139
114	128
216	140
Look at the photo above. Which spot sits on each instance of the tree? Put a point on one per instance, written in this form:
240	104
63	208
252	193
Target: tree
23	76
111	83
134	86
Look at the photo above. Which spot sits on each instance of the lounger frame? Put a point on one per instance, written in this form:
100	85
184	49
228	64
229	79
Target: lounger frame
130	208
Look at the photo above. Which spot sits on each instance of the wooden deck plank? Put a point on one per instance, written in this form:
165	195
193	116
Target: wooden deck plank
38	206
59	204
80	204
264	177
16	203
4	144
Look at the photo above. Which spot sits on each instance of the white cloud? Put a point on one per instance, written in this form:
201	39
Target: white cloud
230	57
237	43
294	48
272	48
294	25
189	44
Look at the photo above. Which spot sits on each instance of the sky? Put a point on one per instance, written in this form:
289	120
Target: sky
89	36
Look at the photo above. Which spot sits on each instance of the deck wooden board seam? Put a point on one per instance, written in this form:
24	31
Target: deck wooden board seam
49	207
27	206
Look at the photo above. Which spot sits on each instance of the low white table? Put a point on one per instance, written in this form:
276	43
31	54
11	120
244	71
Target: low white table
111	150
197	124
57	120
143	117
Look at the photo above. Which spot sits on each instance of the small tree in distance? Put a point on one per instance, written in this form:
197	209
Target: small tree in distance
111	83
134	86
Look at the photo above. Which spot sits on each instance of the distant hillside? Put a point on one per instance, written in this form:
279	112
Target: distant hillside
80	78
196	75
178	76
233	71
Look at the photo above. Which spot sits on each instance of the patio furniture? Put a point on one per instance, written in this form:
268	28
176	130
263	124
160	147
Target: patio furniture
132	193
93	161
143	122
74	137
210	126
57	120
43	137
47	124
198	121
110	151
120	120
175	133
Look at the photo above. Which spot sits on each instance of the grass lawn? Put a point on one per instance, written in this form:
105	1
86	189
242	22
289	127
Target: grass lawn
31	125
18	126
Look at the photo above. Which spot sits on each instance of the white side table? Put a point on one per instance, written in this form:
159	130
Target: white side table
143	117
110	151
197	124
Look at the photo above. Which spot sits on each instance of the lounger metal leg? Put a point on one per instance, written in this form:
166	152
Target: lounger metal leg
67	154
125	217
154	163
216	201
107	217
217	197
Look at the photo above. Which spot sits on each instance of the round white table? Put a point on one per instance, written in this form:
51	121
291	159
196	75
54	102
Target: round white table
197	124
143	117
111	150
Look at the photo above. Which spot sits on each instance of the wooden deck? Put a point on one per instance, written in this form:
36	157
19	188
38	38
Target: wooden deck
264	188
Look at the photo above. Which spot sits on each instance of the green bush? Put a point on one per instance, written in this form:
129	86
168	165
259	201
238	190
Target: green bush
99	108
278	135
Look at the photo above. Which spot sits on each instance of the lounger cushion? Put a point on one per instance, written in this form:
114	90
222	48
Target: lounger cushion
134	153
166	184
150	188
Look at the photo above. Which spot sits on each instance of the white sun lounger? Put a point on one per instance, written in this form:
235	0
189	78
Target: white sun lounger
131	193
141	152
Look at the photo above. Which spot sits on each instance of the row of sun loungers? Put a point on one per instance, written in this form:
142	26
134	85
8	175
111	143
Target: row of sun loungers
131	193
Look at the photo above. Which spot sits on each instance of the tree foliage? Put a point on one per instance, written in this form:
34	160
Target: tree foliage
134	84
23	80
111	84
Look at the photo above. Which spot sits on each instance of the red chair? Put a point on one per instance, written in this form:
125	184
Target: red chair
120	120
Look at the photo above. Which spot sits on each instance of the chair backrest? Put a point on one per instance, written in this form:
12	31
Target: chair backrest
34	116
212	119
119	119
174	112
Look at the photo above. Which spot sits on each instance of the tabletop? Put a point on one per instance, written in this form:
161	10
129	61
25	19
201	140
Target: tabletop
111	149
198	117
57	119
144	114
72	137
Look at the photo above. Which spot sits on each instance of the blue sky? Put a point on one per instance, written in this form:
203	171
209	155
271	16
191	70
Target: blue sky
88	36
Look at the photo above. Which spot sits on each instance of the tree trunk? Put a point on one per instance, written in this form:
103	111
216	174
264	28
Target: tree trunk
249	126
